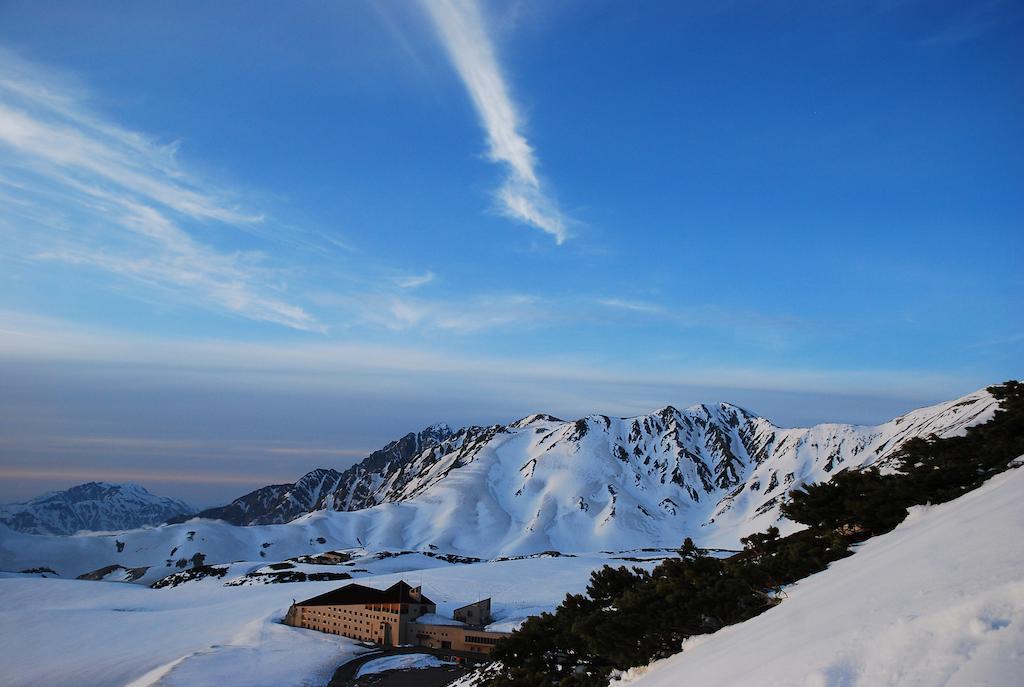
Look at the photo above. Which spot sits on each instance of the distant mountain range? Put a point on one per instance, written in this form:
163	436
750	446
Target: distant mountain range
711	472
93	506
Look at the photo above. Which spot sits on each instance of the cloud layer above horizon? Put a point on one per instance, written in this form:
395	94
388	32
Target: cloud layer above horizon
229	416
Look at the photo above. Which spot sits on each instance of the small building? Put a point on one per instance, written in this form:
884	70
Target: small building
478	613
389	617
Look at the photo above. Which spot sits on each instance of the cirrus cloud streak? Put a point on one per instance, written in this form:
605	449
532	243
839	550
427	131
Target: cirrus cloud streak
81	190
461	28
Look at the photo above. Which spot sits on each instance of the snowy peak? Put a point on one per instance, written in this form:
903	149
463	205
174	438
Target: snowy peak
326	488
535	419
405	468
277	503
95	506
439	431
360	486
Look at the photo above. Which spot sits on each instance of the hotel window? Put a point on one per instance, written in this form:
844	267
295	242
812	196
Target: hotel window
472	639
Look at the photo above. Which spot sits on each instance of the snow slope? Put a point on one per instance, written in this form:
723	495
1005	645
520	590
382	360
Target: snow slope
715	473
938	601
106	634
95	506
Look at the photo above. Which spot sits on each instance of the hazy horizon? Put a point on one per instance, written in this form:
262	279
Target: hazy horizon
189	460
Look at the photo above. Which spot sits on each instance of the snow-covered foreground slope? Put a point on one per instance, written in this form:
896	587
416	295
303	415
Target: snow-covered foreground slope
714	473
108	634
939	601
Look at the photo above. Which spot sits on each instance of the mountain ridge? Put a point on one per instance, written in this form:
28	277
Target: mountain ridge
705	450
92	506
280	503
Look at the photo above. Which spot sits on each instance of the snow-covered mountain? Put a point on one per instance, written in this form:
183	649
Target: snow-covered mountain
360	486
275	503
663	472
714	473
95	506
349	490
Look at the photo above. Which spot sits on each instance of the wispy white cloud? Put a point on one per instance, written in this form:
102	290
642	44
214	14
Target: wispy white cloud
1009	340
85	191
79	189
462	30
634	306
385	308
221	279
953	36
969	23
413	281
460	315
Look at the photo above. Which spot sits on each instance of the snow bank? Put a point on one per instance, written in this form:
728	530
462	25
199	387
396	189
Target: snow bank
939	601
401	662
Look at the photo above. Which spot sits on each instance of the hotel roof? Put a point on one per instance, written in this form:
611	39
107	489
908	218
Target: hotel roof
399	592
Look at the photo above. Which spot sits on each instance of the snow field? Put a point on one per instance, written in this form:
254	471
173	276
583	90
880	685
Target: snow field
104	634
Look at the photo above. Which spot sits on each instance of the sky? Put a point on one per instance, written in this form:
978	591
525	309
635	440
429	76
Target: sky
240	240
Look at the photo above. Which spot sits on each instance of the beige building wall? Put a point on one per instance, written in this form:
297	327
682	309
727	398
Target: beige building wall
379	623
455	637
394	624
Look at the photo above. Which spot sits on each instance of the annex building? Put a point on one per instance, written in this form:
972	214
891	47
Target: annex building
397	616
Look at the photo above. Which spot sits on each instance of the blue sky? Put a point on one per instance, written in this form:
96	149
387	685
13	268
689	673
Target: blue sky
239	242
